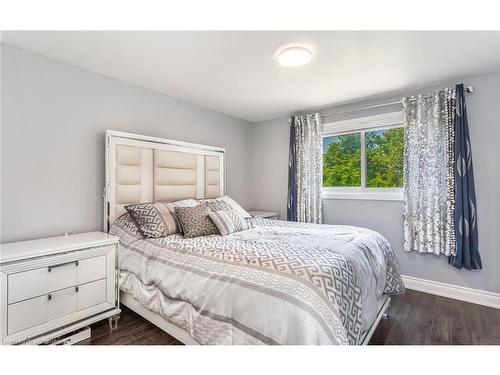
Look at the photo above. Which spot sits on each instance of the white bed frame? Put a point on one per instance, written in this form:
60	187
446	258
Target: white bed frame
383	312
116	138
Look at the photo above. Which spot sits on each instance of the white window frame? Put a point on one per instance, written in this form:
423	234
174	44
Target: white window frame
362	125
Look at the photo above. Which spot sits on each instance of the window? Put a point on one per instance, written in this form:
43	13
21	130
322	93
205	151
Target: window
363	158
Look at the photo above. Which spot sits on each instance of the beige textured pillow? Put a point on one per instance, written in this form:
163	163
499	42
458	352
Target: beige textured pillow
195	221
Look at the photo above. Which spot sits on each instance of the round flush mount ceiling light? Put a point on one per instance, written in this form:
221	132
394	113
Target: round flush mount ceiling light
294	56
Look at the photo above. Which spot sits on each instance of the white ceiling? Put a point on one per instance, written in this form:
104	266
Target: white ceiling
235	72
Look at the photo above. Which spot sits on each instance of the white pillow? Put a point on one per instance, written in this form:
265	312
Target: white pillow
228	222
184	203
241	211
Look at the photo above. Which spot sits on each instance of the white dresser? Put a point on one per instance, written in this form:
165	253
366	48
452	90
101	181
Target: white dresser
54	286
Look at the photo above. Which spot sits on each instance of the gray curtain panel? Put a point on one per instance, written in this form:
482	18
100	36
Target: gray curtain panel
291	207
429	203
305	169
467	243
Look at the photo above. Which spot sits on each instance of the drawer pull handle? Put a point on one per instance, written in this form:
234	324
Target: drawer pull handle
76	289
63	264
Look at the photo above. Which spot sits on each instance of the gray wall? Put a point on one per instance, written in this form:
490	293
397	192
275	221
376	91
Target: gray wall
269	178
52	141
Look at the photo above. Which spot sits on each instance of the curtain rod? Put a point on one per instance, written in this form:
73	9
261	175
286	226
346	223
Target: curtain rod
469	89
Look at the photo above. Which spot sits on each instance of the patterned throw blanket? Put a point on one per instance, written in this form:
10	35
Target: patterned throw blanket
277	283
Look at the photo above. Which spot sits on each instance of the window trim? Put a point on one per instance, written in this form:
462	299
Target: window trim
362	125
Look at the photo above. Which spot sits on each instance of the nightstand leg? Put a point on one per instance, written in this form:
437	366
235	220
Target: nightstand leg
113	322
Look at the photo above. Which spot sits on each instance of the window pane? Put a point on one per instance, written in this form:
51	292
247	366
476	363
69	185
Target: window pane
342	160
384	158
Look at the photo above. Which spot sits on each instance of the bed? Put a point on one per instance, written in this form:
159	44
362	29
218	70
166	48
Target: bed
277	282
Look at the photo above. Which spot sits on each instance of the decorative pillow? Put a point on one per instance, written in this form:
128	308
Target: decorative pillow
217	205
155	219
195	221
234	205
228	221
184	203
126	223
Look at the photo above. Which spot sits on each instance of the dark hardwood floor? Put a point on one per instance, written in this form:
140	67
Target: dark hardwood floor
132	329
416	319
425	319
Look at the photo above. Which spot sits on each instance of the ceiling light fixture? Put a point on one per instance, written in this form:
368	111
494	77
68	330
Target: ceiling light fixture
294	56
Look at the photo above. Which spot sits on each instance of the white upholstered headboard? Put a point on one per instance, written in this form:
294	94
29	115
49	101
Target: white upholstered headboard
148	169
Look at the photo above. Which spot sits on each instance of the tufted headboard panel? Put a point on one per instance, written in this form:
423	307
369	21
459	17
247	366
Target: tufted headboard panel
147	169
174	175
212	176
132	176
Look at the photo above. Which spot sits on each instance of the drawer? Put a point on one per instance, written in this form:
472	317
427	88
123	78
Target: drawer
91	294
33	283
26	314
62	302
91	269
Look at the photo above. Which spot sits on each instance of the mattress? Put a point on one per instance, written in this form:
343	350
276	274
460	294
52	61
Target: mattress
276	283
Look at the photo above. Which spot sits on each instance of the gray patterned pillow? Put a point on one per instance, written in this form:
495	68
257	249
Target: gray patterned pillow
228	221
155	219
195	221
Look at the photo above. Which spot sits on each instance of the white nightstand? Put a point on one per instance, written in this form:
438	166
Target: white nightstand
264	214
55	286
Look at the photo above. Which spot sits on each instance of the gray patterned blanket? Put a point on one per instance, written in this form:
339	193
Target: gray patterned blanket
277	283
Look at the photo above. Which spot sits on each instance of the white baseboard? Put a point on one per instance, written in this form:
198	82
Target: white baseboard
476	296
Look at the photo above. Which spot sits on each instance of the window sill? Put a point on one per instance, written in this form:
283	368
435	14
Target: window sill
371	196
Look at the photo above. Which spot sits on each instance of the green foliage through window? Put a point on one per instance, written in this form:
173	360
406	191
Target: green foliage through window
384	159
342	160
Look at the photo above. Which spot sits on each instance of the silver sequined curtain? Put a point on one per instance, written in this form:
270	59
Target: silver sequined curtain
429	204
307	131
